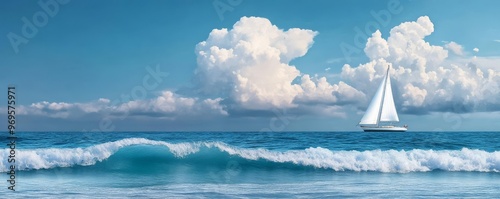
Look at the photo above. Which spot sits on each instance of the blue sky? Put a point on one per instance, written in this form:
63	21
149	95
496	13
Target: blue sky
90	53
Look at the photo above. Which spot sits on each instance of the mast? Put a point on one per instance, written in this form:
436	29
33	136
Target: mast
383	95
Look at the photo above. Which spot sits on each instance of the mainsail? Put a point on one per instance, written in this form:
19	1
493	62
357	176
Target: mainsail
381	108
388	113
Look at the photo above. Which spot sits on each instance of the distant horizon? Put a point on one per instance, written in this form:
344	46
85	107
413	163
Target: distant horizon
242	66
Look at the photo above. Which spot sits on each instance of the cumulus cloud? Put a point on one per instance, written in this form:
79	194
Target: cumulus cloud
63	109
455	48
425	78
319	91
168	105
247	69
413	95
251	63
475	50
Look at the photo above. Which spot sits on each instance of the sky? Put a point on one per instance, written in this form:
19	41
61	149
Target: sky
240	65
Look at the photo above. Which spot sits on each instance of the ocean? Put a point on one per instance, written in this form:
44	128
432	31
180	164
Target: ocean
254	165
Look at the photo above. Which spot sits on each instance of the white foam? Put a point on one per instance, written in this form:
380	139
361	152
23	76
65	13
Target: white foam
387	161
400	161
66	157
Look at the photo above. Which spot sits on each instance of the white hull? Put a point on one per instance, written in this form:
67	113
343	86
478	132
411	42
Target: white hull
383	129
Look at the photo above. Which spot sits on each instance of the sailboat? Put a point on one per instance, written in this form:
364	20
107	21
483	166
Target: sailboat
381	113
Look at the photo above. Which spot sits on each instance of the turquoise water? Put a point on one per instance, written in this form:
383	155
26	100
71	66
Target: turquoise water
252	164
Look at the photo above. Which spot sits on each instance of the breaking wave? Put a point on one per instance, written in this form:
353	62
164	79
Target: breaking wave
393	161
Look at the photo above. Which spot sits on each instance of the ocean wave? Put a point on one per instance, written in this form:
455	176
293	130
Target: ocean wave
396	161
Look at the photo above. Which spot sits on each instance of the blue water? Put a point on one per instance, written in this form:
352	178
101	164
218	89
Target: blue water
252	164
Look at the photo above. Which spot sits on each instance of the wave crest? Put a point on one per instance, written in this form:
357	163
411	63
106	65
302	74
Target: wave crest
399	161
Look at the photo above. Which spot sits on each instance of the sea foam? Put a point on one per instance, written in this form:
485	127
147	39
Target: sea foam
397	161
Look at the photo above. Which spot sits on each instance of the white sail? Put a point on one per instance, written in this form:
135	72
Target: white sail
372	112
382	107
389	113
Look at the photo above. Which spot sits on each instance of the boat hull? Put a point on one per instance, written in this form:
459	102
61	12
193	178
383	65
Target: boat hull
384	129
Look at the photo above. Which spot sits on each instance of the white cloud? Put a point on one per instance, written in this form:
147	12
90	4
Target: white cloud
377	47
455	48
168	104
248	69
497	40
423	75
320	91
475	50
250	62
413	95
63	109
